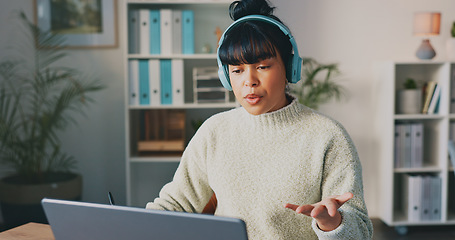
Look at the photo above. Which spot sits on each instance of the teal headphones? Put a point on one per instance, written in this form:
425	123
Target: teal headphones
293	70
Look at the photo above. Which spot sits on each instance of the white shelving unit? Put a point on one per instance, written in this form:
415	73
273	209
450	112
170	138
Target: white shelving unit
435	142
147	173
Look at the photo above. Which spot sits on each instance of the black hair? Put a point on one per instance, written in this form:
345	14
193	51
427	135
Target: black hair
252	41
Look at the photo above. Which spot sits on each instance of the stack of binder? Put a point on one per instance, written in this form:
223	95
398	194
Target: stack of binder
422	197
160	31
155	82
408	145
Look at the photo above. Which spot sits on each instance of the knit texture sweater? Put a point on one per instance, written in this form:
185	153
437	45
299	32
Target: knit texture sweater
255	164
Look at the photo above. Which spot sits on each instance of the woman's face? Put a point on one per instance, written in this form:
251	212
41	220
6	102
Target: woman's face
260	87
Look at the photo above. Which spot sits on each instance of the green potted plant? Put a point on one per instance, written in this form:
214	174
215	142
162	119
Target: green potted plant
450	44
37	101
409	99
312	91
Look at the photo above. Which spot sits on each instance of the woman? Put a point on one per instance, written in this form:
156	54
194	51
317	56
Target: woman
286	170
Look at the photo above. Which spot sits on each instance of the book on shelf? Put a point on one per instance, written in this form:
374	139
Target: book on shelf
431	95
416	149
397	146
428	89
161	130
133	82
155	83
451	148
407	147
144	31
133	31
425	198
177	82
144	82
177	31
452	92
435	99
166	31
188	32
452	130
435	198
154	32
412	197
166	81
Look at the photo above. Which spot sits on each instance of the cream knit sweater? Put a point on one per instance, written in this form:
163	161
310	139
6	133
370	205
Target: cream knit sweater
256	164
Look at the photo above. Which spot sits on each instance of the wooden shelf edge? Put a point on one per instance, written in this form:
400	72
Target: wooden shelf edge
155	159
418	170
188	106
422	223
180	1
419	116
173	56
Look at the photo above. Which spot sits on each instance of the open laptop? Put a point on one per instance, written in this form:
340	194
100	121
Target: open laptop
71	220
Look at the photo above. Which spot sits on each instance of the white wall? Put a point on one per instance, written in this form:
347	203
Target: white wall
354	33
357	34
97	142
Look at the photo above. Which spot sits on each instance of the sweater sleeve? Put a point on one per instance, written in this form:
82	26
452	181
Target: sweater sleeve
189	190
343	173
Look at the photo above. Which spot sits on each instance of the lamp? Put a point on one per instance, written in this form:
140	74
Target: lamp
426	24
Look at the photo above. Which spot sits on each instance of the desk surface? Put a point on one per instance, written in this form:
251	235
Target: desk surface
29	231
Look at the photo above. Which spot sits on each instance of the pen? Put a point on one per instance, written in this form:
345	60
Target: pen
111	198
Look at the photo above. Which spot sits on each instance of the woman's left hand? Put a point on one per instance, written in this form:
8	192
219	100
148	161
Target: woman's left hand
324	212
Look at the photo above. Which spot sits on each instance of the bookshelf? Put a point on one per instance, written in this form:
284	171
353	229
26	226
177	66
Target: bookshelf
436	128
148	169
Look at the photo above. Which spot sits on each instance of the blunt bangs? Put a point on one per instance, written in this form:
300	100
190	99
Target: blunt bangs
246	44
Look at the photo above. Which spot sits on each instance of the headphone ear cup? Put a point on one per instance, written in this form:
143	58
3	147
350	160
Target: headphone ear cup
298	69
290	70
223	74
294	70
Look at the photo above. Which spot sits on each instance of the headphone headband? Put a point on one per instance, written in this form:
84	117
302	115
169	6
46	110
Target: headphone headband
292	71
